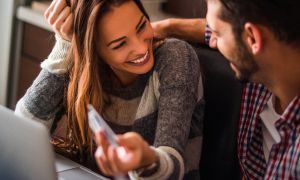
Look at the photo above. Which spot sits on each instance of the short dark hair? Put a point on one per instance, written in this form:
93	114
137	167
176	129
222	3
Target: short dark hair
282	17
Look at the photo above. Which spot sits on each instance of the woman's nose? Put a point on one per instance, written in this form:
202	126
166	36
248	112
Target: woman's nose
140	45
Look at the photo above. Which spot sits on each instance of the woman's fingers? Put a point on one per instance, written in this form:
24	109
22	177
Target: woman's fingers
130	140
61	19
57	9
129	155
67	27
106	155
117	166
102	161
100	137
59	16
102	152
113	160
102	142
50	9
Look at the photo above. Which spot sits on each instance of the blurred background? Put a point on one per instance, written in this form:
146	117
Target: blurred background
27	39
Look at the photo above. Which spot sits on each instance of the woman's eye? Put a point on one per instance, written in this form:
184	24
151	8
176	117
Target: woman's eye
120	45
142	26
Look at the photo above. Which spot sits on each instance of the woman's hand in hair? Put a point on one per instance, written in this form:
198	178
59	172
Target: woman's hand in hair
133	153
59	16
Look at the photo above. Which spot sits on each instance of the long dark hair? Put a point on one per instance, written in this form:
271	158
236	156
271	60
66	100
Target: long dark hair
85	80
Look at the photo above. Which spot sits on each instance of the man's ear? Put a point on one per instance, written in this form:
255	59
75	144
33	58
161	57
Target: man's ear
253	36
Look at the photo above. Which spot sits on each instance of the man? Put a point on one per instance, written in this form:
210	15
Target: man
262	42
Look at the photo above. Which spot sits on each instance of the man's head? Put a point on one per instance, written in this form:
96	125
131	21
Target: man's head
246	31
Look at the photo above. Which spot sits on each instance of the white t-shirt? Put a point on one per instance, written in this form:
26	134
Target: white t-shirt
270	134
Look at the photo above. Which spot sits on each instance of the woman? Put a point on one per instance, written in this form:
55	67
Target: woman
148	95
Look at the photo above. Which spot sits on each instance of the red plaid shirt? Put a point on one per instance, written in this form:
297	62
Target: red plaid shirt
284	160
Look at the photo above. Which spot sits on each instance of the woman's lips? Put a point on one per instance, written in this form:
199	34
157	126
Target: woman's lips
141	61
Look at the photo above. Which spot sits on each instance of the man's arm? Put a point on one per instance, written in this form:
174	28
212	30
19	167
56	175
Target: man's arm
192	30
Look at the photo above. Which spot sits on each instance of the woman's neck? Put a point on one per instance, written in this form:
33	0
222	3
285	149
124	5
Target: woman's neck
123	79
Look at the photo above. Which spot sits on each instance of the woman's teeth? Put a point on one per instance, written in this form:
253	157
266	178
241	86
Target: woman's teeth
140	60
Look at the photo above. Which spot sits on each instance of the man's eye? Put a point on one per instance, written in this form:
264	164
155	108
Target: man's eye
142	26
120	45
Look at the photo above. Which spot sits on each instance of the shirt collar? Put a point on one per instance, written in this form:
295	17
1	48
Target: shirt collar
291	116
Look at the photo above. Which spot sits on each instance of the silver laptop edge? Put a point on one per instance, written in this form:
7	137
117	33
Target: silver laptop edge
26	153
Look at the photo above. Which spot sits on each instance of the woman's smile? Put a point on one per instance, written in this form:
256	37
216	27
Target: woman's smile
141	60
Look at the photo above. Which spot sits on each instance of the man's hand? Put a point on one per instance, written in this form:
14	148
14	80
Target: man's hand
191	30
161	29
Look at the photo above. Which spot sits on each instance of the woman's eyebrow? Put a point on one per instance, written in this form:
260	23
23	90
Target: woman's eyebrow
116	40
140	22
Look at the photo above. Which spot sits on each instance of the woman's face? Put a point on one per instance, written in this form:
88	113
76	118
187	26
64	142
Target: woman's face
125	40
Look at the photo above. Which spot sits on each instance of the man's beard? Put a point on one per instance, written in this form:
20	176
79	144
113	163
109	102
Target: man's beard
245	63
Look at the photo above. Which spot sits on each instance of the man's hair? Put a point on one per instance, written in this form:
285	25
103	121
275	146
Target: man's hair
282	17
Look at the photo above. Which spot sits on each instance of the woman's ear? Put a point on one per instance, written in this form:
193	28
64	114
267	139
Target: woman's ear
253	36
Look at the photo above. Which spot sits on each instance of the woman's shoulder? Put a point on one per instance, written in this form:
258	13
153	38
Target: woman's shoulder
175	54
176	64
172	44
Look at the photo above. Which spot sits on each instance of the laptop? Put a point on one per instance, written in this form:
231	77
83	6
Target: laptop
26	153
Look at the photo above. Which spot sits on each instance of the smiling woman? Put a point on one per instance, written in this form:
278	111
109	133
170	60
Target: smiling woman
126	45
108	59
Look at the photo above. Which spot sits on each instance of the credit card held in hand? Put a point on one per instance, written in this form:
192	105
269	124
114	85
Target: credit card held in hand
96	122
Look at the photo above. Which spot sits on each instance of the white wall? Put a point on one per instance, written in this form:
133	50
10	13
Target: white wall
6	21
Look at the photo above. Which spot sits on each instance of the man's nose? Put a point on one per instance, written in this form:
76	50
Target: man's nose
213	41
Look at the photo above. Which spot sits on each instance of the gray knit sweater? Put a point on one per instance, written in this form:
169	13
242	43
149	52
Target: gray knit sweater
165	105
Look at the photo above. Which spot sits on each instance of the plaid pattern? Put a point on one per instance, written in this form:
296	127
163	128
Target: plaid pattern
284	160
207	34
